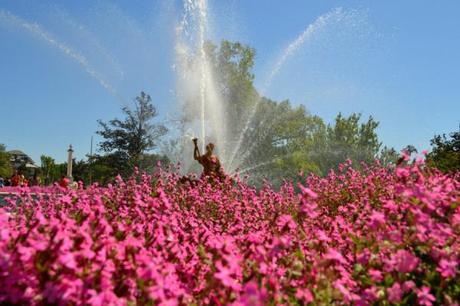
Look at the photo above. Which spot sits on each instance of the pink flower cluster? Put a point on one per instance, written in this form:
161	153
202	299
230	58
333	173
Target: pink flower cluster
379	235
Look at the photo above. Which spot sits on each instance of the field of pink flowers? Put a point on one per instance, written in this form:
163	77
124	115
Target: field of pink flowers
377	236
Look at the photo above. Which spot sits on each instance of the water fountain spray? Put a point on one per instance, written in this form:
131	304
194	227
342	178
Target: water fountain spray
202	28
67	50
306	36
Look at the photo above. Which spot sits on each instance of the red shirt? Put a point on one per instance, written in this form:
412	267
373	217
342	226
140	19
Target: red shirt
64	182
15	180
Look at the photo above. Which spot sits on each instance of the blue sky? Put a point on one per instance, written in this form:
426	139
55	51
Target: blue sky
398	61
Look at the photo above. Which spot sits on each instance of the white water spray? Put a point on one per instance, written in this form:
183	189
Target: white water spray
90	38
306	36
196	87
258	166
201	36
68	51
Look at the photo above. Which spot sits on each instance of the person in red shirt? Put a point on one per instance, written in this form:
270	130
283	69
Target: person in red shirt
64	182
15	179
210	162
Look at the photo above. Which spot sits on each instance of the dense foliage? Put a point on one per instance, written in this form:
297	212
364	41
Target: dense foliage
5	165
6	169
446	152
127	140
381	235
274	138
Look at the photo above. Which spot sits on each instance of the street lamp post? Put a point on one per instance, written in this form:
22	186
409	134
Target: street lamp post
69	163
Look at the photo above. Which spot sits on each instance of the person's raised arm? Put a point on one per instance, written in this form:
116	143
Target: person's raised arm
220	167
196	151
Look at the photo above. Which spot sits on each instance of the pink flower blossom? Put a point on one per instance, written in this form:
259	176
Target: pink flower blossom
395	293
404	261
375	275
447	268
333	255
377	219
307	192
227	278
424	297
408	286
304	295
360	237
252	295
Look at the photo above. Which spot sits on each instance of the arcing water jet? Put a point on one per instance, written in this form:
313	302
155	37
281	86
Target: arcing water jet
68	51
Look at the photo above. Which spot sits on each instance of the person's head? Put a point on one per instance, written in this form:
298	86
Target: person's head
209	148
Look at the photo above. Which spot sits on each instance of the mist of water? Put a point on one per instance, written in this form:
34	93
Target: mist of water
197	89
196	84
245	170
202	22
311	31
42	34
90	39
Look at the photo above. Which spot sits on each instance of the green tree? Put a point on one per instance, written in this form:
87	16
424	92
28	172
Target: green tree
410	149
232	63
47	169
148	162
6	170
125	141
275	140
388	156
446	152
286	145
346	139
51	171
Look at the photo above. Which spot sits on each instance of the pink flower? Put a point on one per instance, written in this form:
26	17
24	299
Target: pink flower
252	295
309	209
402	172
408	286
391	206
375	275
363	258
308	193
333	255
322	236
155	239
424	297
68	260
66	199
304	295
370	294
25	253
447	268
376	220
39	245
103	298
286	221
395	293
226	277
404	261
347	295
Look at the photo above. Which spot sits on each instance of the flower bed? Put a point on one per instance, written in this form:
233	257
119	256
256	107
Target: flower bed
377	236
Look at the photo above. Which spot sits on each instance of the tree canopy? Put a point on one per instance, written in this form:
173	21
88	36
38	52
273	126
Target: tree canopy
446	152
6	170
127	141
281	139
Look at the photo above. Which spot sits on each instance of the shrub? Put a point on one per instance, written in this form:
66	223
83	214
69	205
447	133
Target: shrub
375	236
